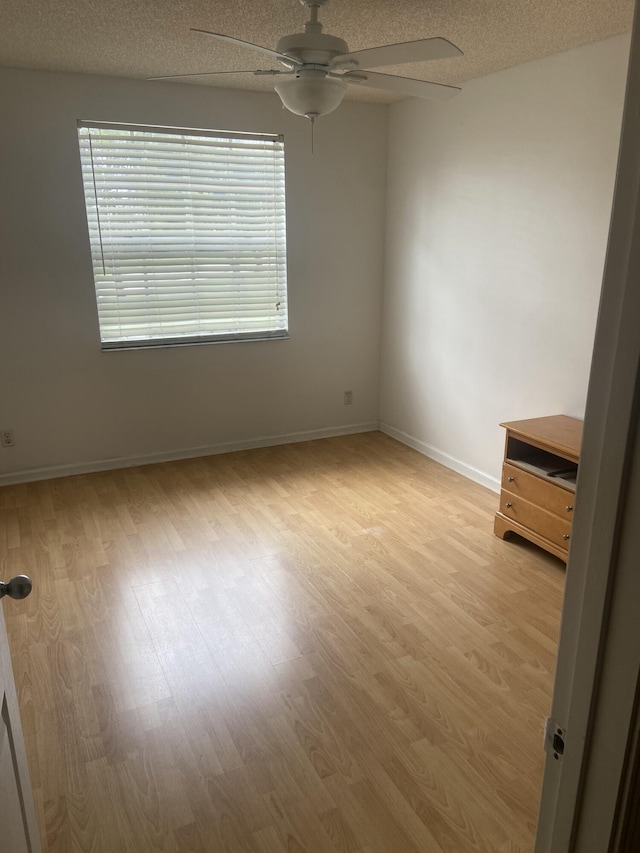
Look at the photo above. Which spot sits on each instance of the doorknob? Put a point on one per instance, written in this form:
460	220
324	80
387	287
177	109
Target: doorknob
18	587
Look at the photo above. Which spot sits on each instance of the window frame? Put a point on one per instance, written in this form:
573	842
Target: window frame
280	281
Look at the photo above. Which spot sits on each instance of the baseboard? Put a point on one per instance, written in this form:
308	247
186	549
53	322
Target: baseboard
50	473
443	458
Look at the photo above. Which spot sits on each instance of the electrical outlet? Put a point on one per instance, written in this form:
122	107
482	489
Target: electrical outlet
7	438
348	398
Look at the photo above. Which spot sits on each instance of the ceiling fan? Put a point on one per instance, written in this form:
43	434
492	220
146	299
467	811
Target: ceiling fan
319	67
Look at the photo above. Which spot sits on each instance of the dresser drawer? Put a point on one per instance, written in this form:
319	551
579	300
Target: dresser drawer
550	496
552	527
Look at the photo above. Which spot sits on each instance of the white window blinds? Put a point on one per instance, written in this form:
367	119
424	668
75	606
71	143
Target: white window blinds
187	231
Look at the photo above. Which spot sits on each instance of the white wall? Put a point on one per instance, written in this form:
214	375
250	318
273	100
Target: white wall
497	218
68	402
497	214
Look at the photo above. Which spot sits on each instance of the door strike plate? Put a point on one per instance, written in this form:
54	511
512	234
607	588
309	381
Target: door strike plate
554	739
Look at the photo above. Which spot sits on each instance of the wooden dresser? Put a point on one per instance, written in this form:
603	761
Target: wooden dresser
539	481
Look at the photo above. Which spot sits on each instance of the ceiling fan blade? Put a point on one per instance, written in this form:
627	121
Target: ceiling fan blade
402	85
273	53
399	54
211	73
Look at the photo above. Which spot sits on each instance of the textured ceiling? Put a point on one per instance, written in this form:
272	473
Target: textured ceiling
143	38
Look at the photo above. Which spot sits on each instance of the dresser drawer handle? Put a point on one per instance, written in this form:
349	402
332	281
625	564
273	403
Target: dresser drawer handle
511	479
566	537
569	508
508	506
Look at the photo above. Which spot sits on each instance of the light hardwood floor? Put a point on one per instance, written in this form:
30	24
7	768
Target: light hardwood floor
318	647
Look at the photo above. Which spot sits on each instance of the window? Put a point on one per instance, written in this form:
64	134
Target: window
187	232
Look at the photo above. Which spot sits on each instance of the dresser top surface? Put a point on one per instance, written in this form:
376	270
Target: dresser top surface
558	432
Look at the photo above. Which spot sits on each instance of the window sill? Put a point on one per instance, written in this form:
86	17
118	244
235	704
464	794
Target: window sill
118	346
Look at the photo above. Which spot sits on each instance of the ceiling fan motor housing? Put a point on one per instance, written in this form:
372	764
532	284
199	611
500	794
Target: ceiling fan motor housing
318	48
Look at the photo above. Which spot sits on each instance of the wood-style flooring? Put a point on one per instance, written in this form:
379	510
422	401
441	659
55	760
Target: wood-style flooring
320	647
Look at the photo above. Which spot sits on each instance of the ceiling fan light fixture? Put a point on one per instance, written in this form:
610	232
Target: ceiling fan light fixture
315	96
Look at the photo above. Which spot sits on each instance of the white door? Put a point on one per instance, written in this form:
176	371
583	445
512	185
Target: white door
18	828
598	667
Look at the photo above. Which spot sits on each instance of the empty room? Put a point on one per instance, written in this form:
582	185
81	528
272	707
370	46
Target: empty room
298	303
